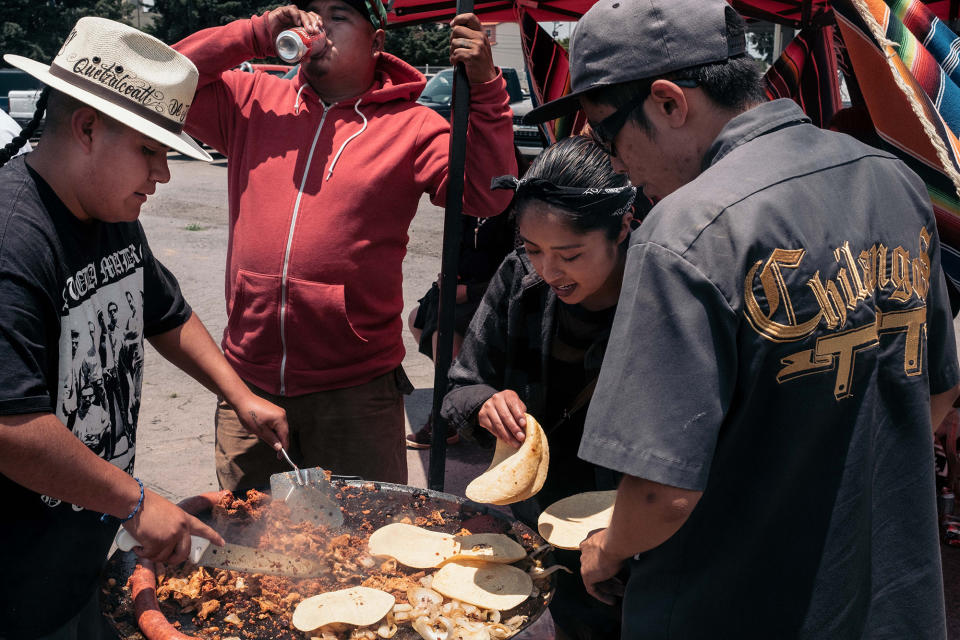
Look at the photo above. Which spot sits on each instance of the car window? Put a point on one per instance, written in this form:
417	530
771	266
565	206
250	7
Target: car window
439	89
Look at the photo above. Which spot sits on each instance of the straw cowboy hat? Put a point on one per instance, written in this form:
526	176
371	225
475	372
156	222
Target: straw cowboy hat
127	75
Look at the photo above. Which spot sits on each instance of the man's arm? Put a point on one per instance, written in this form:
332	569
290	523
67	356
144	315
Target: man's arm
191	348
38	452
940	404
645	515
489	132
214	113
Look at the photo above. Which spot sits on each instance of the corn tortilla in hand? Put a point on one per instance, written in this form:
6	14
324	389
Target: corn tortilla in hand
514	474
566	523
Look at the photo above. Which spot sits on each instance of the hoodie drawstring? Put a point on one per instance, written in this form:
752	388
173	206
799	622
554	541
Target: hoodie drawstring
296	103
356	107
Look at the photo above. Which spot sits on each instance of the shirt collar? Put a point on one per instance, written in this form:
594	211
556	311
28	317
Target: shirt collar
762	119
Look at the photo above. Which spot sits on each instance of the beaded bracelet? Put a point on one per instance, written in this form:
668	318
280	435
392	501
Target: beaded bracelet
105	516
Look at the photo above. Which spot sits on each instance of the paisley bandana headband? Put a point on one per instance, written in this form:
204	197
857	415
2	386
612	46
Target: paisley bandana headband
591	201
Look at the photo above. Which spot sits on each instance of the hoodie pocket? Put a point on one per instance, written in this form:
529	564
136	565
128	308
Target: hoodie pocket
253	328
318	330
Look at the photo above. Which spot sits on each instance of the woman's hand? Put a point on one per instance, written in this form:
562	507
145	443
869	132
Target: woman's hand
502	415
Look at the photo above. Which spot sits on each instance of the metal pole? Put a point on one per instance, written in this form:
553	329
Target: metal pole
449	264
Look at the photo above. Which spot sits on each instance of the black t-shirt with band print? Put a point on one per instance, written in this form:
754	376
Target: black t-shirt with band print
77	300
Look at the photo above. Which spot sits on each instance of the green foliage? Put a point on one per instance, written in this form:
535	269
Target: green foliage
176	19
762	42
420	44
37	28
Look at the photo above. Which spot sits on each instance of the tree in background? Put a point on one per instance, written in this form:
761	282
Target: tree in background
176	19
419	45
36	29
762	43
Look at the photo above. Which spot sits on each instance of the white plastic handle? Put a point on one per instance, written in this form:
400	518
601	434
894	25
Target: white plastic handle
126	542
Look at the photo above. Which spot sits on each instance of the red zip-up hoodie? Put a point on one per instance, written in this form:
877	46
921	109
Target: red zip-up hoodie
321	197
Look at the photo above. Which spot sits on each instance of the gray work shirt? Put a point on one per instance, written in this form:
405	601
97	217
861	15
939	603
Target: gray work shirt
782	324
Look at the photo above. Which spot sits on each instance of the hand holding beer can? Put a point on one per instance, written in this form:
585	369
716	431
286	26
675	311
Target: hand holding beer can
295	44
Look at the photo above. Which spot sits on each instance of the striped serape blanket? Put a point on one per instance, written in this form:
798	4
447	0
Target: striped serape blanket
549	69
806	72
911	98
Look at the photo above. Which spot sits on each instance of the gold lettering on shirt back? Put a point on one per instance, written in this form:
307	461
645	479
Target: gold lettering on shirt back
873	272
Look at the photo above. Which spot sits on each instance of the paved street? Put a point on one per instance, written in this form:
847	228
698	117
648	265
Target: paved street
186	222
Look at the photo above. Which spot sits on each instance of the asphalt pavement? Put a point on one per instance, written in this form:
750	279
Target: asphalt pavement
186	224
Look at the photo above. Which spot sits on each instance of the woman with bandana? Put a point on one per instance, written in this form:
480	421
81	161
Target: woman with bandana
537	340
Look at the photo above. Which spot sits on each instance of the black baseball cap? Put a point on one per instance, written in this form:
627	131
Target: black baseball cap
371	10
620	41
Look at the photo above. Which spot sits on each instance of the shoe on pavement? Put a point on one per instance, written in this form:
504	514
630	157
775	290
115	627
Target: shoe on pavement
423	438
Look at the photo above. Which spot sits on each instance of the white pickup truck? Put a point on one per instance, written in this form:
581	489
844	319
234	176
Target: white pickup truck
23	104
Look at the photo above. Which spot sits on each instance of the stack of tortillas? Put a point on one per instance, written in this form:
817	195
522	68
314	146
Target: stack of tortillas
424	549
514	474
566	523
483	584
474	568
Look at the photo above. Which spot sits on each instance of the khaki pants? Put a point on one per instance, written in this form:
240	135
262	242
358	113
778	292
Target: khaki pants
357	431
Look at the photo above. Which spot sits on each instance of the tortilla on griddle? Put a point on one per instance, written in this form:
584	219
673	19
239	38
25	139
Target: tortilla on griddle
483	584
566	523
514	474
489	547
358	606
412	546
421	548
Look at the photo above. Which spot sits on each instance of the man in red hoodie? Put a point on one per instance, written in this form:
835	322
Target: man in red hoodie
325	174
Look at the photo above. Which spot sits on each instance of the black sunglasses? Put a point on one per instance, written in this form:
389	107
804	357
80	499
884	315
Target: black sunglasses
604	132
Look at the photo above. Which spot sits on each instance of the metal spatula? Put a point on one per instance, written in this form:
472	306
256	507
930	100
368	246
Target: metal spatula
239	558
309	495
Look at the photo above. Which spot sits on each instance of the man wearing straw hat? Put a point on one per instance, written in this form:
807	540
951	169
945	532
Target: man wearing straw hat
71	249
782	348
326	171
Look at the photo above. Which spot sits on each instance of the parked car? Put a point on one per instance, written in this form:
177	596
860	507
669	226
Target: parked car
15	80
22	105
529	139
438	93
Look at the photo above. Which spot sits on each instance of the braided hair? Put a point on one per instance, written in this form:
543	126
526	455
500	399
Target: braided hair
14	145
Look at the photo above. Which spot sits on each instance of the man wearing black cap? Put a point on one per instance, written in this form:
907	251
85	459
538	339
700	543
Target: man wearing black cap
782	346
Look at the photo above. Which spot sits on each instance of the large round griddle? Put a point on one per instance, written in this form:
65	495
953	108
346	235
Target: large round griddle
373	503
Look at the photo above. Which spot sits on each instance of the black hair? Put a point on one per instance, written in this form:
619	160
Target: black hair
734	83
14	145
576	162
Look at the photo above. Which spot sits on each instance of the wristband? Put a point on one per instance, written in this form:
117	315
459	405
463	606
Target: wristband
104	517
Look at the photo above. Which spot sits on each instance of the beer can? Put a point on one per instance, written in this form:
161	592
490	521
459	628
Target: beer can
294	44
